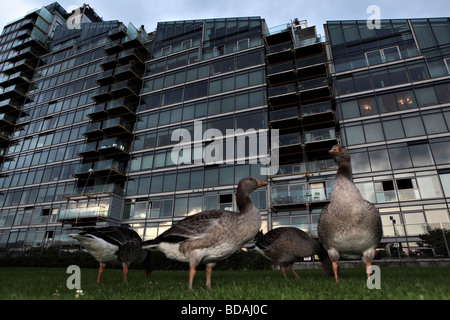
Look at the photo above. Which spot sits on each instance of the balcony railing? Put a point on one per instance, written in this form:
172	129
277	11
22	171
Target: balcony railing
309	61
304	167
280	90
284	114
110	164
320	135
290	139
83	213
298	193
316	108
289	66
312	84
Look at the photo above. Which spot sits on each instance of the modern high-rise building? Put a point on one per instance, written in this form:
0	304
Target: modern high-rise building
103	123
392	90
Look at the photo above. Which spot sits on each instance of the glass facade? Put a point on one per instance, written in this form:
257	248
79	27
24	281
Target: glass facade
392	88
108	124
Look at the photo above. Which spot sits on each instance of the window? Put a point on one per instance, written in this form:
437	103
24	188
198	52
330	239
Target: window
447	64
243	44
166	50
418	71
429	187
379	160
393	129
219	50
400	158
362	82
186	44
421	155
383	55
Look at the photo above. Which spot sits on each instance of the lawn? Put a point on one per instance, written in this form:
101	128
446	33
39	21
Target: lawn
397	283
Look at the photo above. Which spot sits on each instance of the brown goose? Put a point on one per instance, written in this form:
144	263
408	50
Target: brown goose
287	245
115	245
210	236
349	226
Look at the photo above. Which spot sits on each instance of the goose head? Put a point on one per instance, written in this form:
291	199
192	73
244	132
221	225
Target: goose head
245	187
340	154
248	185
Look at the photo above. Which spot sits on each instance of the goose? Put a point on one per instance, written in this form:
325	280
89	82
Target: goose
286	245
349	226
213	235
114	245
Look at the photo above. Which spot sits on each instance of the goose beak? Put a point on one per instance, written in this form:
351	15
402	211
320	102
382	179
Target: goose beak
335	151
262	183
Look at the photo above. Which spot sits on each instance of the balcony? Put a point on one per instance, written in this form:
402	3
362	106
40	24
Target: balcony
111	170
25	65
322	139
7	120
17	78
96	189
310	61
122	107
5	136
290	139
117	33
105	78
10	105
129	71
294	196
320	135
116	127
306	167
113	47
313	84
94	131
102	95
110	148
320	112
98	113
82	216
114	147
27	53
284	114
137	54
12	92
282	90
125	88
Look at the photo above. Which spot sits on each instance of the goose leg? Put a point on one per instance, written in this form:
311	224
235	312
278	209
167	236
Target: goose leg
125	274
367	257
191	276
368	269
335	270
283	270
291	267
208	275
100	271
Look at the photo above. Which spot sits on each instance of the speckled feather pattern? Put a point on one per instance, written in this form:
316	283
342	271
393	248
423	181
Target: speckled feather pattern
212	235
349	226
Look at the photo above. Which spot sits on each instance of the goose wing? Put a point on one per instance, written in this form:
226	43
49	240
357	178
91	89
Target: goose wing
118	236
270	238
192	227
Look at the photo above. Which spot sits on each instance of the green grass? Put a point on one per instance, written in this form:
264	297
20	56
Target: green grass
397	283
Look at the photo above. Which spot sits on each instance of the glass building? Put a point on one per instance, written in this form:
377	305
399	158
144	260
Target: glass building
103	123
392	91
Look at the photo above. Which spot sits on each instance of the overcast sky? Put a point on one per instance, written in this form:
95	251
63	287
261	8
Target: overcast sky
275	12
